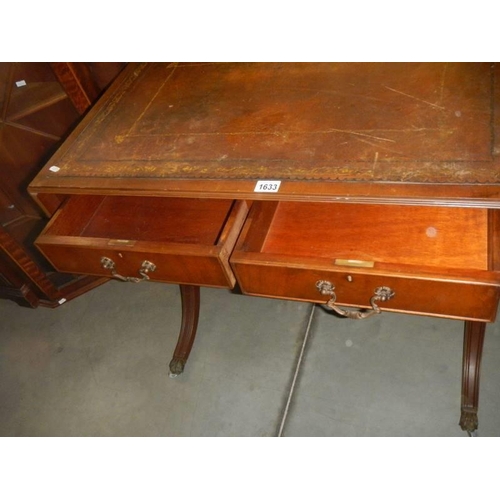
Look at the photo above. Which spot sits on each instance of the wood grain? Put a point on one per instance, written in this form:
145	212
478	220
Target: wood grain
429	236
189	241
405	133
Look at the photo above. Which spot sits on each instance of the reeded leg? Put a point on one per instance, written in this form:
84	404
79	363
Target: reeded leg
190	297
473	349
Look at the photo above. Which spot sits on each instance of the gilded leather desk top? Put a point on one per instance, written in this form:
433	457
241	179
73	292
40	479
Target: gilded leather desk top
419	133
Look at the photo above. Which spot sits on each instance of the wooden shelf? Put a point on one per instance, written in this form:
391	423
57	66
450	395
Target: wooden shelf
32	98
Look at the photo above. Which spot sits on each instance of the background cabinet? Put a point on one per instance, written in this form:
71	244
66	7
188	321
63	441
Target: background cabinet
40	103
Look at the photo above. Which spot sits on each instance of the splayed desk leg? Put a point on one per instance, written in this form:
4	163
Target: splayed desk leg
473	349
190	297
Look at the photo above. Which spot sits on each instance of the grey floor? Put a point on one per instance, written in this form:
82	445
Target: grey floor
98	366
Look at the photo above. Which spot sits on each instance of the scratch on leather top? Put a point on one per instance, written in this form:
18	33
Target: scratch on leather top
403	122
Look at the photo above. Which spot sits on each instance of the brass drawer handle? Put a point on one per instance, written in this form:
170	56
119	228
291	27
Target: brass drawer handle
146	267
381	294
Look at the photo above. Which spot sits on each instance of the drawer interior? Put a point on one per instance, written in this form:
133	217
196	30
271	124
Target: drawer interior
162	220
372	235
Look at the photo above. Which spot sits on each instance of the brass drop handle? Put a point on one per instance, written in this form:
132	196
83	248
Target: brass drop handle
146	267
381	294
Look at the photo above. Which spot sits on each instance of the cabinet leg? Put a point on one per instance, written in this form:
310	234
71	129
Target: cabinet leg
190	297
473	349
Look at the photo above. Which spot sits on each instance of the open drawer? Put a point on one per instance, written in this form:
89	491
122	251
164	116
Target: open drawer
414	259
185	241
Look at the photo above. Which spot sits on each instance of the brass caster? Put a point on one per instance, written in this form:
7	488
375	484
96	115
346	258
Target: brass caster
176	367
469	422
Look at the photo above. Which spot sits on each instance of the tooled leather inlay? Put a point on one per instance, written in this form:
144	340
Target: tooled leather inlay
338	122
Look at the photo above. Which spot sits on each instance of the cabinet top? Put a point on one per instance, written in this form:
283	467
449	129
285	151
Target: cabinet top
417	133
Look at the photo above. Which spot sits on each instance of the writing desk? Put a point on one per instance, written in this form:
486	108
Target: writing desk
366	186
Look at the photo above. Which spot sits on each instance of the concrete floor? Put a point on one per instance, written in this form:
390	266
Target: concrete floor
98	366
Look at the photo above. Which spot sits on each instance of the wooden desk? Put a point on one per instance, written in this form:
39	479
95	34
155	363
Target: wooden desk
374	186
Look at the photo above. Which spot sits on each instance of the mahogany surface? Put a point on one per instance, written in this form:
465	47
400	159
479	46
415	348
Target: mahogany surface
37	110
188	241
402	133
190	298
393	164
409	235
473	349
120	217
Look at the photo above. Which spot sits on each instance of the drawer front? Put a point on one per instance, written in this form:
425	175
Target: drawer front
204	269
414	295
175	241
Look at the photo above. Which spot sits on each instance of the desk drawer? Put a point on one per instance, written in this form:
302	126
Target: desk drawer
437	261
184	241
